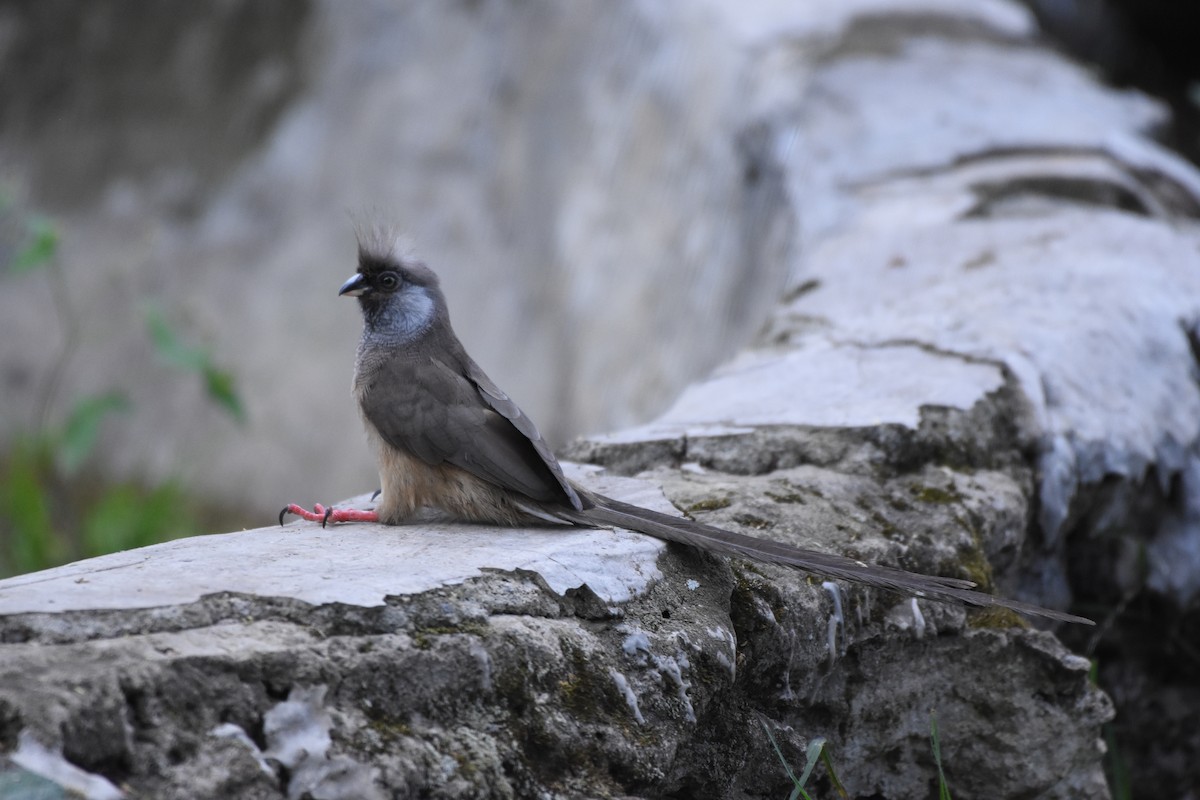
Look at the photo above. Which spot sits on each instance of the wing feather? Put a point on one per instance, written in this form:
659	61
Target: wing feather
443	414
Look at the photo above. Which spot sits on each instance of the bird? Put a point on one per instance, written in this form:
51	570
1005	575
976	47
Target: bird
446	436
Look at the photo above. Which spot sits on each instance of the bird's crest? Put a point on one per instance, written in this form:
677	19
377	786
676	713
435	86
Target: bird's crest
381	243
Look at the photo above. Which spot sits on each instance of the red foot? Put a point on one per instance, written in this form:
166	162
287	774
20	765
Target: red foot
325	515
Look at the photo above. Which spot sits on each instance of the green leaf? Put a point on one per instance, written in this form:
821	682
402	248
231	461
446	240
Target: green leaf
811	757
838	788
111	522
40	250
31	543
220	385
168	345
83	428
126	517
943	787
798	790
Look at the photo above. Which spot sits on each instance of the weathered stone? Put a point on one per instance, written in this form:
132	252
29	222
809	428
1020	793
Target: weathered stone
467	691
984	368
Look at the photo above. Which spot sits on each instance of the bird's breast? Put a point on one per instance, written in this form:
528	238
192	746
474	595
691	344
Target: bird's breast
409	484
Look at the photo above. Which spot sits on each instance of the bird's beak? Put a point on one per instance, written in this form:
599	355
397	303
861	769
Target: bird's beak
354	287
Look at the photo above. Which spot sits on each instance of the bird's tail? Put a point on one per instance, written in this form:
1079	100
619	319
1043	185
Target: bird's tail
609	512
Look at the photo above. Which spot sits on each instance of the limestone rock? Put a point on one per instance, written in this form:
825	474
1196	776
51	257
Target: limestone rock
983	365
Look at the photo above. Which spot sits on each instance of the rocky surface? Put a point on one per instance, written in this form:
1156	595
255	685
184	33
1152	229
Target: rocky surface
983	365
511	684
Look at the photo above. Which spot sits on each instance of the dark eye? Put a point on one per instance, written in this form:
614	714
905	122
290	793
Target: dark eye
388	281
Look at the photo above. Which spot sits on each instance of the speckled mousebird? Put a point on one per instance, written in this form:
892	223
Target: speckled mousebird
446	436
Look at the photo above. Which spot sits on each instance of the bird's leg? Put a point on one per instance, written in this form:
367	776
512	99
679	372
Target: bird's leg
325	515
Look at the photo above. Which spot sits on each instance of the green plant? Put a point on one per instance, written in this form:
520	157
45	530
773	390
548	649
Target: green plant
935	741
218	383
52	508
816	752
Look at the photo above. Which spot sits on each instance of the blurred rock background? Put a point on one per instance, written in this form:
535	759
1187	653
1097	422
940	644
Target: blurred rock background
616	195
586	180
598	184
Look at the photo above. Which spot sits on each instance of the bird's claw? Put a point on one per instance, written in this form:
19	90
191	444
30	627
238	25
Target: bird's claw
325	516
319	513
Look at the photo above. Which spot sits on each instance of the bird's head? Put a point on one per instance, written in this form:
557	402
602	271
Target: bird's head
400	298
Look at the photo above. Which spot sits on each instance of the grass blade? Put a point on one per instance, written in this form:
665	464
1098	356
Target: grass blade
943	787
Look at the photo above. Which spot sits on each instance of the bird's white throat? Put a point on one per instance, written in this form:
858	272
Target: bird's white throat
408	315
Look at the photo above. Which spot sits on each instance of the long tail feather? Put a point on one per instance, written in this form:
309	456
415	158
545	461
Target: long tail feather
718	540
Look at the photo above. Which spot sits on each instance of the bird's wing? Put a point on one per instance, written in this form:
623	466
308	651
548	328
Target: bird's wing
455	414
502	404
